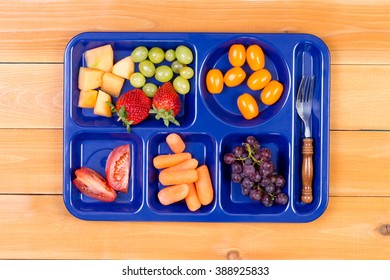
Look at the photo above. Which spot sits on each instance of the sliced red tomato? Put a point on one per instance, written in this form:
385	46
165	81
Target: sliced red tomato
118	168
92	184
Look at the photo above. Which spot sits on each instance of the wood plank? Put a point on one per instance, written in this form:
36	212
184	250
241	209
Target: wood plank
31	95
359	97
356	31
32	162
39	227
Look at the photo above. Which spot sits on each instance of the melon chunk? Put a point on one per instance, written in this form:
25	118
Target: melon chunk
87	98
101	58
89	78
101	107
112	84
124	68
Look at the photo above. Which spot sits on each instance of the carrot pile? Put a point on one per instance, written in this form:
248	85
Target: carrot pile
182	177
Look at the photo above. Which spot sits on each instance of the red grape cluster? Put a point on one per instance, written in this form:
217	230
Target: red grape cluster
252	168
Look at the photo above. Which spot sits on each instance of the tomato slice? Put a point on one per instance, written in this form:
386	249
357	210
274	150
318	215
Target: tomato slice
118	168
92	184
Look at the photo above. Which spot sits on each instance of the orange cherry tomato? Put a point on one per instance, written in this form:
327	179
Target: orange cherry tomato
214	81
255	57
259	79
271	93
248	106
234	76
237	55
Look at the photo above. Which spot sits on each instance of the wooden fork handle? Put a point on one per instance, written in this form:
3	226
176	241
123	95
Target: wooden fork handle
307	170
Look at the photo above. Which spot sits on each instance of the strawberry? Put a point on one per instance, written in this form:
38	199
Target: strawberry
132	107
166	104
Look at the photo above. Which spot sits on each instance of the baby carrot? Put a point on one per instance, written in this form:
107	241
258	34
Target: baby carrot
174	177
172	194
175	142
204	186
187	164
192	199
163	161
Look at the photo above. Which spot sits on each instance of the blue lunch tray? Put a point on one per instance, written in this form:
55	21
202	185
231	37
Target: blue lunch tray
211	126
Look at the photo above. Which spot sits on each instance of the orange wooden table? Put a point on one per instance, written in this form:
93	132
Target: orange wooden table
34	223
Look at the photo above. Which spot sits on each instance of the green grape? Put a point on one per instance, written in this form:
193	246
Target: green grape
176	66
170	55
139	54
186	72
150	89
181	85
137	80
147	68
184	54
163	73
156	55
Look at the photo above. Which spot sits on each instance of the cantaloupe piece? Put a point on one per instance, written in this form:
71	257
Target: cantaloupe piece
101	58
112	84
89	78
101	107
124	68
87	98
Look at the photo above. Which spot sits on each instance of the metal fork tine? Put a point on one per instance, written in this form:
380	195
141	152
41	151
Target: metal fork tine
300	90
311	89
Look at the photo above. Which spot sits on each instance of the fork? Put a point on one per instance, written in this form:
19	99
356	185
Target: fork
304	107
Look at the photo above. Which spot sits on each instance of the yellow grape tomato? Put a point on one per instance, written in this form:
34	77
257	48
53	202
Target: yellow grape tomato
248	106
259	79
234	76
214	81
271	93
255	57
237	55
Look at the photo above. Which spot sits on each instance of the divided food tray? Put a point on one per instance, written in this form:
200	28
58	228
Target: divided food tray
210	124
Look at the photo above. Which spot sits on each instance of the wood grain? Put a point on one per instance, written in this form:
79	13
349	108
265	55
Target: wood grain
32	162
347	230
31	95
355	31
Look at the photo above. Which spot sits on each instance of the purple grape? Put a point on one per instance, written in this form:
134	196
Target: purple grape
279	181
248	170
238	151
236	177
266	168
265	181
255	194
256	145
251	140
267	200
281	199
248	161
270	188
237	167
247	183
245	191
256	177
265	153
229	158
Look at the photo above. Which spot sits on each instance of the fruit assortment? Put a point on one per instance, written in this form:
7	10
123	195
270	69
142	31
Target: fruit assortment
259	79
253	169
179	174
182	178
103	80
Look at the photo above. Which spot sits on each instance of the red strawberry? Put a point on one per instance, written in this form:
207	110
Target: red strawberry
132	107
166	104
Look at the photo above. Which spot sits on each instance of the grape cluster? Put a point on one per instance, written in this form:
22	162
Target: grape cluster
252	167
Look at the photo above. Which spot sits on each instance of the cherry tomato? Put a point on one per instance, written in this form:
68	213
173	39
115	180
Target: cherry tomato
272	92
118	168
237	55
259	79
234	76
214	81
248	106
255	57
92	184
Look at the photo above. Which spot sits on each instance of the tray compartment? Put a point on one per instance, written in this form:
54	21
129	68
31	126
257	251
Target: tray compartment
224	105
233	201
202	147
91	150
123	48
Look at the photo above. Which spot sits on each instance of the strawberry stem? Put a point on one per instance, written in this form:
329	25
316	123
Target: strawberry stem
122	115
166	116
